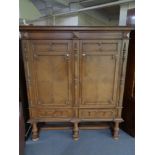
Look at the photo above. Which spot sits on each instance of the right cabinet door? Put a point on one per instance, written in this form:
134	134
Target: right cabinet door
99	72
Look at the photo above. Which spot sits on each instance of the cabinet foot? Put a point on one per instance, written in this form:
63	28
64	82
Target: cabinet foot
75	131
35	136
116	130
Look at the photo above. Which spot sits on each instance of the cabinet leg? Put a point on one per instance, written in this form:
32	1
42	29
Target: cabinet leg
116	130
35	135
76	131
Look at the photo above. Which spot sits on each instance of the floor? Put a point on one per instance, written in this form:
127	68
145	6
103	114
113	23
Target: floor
91	142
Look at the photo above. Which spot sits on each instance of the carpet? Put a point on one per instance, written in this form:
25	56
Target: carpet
91	142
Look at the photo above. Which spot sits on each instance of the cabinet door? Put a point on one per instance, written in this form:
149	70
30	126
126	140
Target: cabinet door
52	67
99	61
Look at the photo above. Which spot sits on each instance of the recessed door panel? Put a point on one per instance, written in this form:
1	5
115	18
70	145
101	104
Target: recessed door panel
99	76
53	76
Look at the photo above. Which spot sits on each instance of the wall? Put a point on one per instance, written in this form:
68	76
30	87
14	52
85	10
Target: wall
67	20
27	10
131	5
87	20
80	19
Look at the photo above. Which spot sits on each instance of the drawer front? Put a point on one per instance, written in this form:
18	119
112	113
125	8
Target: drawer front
51	113
96	113
51	45
100	45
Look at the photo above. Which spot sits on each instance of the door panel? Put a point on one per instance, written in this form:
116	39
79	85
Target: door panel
53	74
99	75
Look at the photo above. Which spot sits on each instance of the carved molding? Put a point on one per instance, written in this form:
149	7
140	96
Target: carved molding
101	45
126	35
56	113
75	35
96	113
50	46
24	35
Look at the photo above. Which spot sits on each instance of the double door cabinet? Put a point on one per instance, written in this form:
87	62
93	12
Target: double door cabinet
75	74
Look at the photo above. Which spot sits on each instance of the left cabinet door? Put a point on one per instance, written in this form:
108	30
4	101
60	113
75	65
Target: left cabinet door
52	72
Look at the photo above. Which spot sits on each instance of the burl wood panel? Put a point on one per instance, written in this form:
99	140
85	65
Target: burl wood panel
52	66
99	71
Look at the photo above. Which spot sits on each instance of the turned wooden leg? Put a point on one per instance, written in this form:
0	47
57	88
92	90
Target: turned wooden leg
76	131
35	136
116	130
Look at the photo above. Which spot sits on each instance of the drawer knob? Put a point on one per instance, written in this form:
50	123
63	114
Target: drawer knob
67	56
83	54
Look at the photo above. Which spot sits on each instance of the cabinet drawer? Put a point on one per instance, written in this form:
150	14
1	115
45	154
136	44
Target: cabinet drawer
51	113
100	46
51	45
97	113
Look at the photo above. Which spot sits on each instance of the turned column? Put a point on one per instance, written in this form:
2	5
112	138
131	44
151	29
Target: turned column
116	130
75	131
35	136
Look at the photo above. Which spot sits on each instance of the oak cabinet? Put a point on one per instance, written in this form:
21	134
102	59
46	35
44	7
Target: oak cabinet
75	74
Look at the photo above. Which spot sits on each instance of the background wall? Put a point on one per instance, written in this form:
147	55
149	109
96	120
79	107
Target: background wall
27	10
46	13
67	20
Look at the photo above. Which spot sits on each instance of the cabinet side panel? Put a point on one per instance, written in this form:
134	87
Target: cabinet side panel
122	72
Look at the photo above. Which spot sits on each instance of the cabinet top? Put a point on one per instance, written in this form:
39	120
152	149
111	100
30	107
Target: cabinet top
75	28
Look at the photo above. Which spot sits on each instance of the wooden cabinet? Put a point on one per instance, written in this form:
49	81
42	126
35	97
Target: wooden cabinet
75	74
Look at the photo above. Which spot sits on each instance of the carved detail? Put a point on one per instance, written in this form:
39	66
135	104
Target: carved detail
55	113
96	114
25	35
100	44
122	80
28	81
26	56
126	35
114	56
75	35
25	53
67	102
35	56
111	101
124	51
50	47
